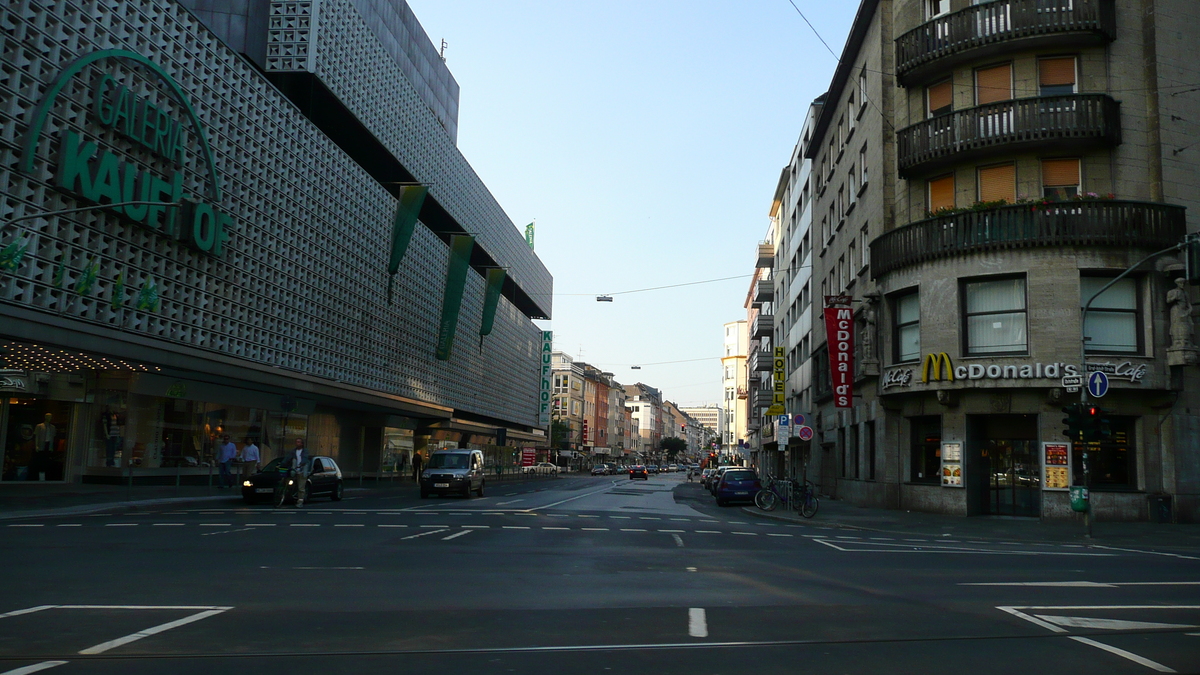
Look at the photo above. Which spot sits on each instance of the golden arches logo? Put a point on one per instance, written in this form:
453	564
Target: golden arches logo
937	363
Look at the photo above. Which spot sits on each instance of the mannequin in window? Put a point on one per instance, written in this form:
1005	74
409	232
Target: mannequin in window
43	439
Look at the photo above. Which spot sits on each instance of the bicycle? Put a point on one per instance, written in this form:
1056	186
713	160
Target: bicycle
805	501
800	496
286	487
770	496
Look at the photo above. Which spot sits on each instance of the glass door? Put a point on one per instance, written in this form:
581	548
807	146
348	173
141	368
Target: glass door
1013	479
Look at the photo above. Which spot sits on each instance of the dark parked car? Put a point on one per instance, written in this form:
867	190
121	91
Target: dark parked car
737	485
325	479
638	472
600	470
651	468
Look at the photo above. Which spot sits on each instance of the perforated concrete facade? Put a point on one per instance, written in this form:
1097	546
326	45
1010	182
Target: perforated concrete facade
302	283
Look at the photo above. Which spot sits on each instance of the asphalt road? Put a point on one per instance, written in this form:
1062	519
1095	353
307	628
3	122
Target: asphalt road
575	575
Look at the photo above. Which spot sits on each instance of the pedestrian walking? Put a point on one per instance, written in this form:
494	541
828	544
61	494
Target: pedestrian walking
226	453
416	466
250	458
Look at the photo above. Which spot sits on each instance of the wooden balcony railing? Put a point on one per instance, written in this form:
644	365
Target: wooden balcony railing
1069	223
981	26
997	127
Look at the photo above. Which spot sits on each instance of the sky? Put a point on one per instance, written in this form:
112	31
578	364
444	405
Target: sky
646	138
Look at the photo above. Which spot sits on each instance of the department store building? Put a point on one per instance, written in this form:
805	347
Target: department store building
256	282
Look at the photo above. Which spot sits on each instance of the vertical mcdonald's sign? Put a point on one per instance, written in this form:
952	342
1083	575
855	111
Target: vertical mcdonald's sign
839	332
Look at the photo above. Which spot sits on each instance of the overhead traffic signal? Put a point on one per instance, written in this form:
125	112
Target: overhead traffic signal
1095	423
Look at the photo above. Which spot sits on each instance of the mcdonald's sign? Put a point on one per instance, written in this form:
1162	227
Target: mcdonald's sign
937	364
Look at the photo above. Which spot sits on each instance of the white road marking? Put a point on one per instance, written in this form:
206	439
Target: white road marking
386	525
594	529
422	534
457	534
515	527
35	668
74	525
261	524
511	501
697	622
632	529
329	568
1133	550
432	526
748	534
1052	584
27	525
121	525
1141	660
584	515
477	527
349	525
306	524
212	525
1108	624
613	517
555	528
154	630
936	548
774	534
691	569
673	531
571	499
678	540
169	524
28	610
708	532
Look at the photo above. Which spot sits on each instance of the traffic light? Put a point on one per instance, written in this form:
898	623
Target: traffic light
1072	420
1092	414
1103	426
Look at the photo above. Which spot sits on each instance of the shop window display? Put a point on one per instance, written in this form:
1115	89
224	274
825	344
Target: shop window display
35	439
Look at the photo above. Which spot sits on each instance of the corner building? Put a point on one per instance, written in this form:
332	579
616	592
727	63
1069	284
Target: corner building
1041	148
135	337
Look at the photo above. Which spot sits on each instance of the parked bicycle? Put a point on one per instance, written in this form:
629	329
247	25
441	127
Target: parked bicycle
800	496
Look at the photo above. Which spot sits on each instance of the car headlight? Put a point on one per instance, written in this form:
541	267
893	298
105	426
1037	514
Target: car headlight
425	474
291	482
247	483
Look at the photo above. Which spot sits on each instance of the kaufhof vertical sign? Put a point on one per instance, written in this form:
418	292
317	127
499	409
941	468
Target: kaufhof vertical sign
839	333
547	366
134	101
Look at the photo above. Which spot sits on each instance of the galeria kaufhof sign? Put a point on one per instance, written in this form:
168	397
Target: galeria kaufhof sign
100	176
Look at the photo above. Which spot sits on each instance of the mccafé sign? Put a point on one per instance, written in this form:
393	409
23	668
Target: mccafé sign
938	367
165	130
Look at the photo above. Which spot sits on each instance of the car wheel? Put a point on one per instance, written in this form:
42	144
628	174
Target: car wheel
467	490
480	491
336	495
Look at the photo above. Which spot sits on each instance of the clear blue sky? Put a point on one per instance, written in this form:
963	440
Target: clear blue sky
646	137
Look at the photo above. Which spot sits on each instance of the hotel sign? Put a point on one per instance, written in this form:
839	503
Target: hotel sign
778	383
163	131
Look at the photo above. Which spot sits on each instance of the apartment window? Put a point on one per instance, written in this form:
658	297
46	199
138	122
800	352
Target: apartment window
1056	76
935	8
939	98
1114	318
841	273
853	185
997	183
906	337
862	163
850	115
994	316
862	89
941	193
866	248
833	219
1060	178
841	133
852	256
925	453
841	203
993	84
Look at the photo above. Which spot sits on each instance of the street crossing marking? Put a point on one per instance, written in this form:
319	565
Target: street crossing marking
422	534
697	622
457	534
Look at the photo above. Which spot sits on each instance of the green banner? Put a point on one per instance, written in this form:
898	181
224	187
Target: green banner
456	280
529	235
491	299
404	222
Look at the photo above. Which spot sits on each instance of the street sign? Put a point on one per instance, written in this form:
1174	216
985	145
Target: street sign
1097	384
1072	390
798	419
1072	380
776	409
805	433
783	420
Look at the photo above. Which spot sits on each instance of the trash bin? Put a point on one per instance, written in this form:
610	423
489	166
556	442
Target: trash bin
1079	498
1160	507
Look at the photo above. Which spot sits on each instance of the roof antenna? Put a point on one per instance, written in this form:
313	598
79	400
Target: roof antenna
442	51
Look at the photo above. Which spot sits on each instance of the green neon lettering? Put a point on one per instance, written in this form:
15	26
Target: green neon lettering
123	110
73	156
135	187
101	107
163	126
204	227
224	225
106	183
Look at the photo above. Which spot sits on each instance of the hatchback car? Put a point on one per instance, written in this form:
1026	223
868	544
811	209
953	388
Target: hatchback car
705	475
325	480
638	472
599	470
737	485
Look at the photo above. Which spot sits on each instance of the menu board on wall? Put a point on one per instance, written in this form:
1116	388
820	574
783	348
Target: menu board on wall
952	468
1056	466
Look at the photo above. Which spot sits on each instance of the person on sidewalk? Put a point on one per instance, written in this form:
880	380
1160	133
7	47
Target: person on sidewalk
250	458
416	466
299	464
226	453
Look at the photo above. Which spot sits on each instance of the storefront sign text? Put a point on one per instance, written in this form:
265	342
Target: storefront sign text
547	378
1126	370
14	381
839	333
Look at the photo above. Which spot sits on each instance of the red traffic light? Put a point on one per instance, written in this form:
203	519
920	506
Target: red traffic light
1092	411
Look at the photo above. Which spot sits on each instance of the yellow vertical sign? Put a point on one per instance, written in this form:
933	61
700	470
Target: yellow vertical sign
778	379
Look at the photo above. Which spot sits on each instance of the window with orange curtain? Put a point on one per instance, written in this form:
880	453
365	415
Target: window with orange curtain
1056	76
941	193
998	182
939	98
993	84
1060	178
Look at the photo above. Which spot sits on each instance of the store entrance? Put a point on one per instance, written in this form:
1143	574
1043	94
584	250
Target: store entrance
1007	476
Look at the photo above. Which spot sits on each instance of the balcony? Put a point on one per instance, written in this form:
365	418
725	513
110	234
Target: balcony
763	325
934	48
761	360
1069	122
766	256
1122	224
759	398
764	291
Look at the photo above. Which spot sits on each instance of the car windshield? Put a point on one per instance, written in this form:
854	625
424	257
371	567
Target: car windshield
274	465
739	475
449	460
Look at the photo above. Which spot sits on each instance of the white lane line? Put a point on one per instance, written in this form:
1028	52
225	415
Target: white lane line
515	527
632	529
386	525
1140	660
678	540
167	525
680	531
594	529
582	515
511	501
1134	550
28	525
748	534
615	517
697	622
74	525
776	534
261	524
349	525
1051	584
119	525
422	534
708	532
35	668
329	568
457	534
434	526
306	524
648	518
132	637
27	610
213	525
571	499
555	528
476	527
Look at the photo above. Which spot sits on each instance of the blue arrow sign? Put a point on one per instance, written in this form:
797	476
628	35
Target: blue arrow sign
1097	384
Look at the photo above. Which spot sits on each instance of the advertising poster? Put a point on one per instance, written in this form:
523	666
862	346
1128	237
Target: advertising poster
952	468
839	332
1056	466
528	456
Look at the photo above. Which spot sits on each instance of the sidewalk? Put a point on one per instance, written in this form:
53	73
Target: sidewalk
33	499
1184	539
